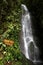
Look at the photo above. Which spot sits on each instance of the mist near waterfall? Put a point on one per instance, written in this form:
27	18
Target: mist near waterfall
28	45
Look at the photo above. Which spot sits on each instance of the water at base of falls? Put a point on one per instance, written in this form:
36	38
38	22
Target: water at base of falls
30	49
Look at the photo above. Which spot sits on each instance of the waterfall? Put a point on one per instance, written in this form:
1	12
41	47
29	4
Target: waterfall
30	50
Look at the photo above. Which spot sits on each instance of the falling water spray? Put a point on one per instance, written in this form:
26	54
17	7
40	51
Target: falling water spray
30	50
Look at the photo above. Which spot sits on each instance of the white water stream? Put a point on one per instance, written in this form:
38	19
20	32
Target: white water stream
30	49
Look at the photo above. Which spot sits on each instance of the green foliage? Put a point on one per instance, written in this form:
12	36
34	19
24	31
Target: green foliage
10	27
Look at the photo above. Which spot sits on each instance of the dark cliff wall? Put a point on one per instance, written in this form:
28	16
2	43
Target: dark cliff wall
36	9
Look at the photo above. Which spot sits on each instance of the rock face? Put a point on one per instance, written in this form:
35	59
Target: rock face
25	61
36	9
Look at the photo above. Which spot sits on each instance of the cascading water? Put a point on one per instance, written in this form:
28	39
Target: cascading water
30	50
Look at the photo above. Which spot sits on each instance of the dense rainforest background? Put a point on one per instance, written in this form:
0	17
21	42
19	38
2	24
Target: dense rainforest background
10	26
